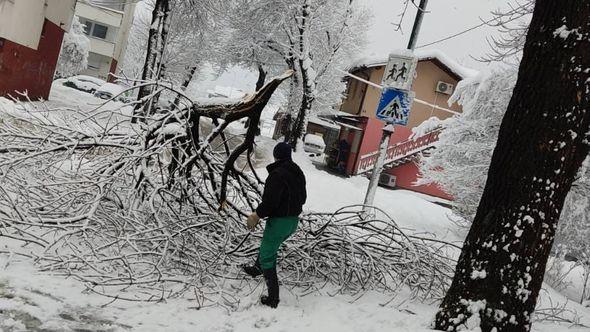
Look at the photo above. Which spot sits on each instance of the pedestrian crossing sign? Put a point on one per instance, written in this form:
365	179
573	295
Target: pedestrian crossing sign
394	106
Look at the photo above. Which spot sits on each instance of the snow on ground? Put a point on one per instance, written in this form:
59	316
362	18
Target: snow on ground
327	192
60	304
41	301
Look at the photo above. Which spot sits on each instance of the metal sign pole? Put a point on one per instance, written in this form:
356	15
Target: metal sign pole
378	168
396	100
417	25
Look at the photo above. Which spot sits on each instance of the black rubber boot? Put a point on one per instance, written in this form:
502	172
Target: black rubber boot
272	283
253	270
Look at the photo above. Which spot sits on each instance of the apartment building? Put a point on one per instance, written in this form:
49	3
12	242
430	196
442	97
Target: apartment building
107	24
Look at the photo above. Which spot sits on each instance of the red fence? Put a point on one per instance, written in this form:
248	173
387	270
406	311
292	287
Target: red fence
398	151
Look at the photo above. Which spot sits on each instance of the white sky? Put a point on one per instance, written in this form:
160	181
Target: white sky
445	17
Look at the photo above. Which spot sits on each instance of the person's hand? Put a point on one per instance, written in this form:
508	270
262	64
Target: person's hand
252	220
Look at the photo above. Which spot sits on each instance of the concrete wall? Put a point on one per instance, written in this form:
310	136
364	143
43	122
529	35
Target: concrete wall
102	47
104	65
355	93
123	32
429	73
60	12
26	69
98	14
21	22
14	14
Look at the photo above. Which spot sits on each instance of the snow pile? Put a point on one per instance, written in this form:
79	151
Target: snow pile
83	83
111	88
563	32
315	139
425	127
6	105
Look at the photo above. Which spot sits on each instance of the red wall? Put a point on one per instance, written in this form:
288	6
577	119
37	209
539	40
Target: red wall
406	174
113	71
25	69
373	130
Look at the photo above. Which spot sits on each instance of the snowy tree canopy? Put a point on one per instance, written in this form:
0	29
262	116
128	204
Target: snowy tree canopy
464	150
73	57
191	38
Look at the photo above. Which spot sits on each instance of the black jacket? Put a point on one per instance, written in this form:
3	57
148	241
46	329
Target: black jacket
284	191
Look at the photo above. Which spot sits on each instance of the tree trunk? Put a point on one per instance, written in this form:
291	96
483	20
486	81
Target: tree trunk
261	77
293	92
259	85
155	50
308	76
543	141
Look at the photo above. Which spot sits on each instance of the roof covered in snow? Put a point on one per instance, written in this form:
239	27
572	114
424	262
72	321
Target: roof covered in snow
377	60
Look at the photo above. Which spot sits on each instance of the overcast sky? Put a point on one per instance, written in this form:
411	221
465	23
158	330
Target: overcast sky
444	18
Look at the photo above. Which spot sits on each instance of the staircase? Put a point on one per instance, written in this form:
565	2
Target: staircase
400	153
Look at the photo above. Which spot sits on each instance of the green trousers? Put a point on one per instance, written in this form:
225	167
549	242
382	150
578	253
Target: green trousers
277	230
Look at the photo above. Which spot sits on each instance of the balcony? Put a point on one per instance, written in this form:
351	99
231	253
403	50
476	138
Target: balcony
102	47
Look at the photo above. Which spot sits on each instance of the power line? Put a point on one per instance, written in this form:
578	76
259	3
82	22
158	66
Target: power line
472	28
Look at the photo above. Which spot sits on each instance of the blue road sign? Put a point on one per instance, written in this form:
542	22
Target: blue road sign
394	106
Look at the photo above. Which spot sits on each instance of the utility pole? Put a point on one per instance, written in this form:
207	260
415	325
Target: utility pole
417	25
389	128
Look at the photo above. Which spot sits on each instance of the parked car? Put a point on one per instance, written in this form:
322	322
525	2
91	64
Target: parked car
84	83
314	145
110	90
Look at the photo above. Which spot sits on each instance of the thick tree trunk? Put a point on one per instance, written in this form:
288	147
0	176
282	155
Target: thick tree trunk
155	50
542	142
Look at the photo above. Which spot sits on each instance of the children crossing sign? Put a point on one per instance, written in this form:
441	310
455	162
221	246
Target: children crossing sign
399	71
394	106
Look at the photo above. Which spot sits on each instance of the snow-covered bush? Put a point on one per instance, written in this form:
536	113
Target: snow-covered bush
573	236
73	57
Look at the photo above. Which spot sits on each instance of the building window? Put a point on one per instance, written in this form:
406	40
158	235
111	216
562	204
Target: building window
87	27
99	31
95	29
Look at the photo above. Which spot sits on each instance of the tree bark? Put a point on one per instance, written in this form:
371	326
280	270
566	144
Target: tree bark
543	141
155	50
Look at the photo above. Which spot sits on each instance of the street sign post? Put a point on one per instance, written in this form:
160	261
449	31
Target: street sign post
394	106
399	72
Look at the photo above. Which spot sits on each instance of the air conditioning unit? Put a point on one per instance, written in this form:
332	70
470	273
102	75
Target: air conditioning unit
444	87
387	180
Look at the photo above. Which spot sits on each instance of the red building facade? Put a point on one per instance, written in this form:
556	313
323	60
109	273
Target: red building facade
362	131
31	33
30	71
